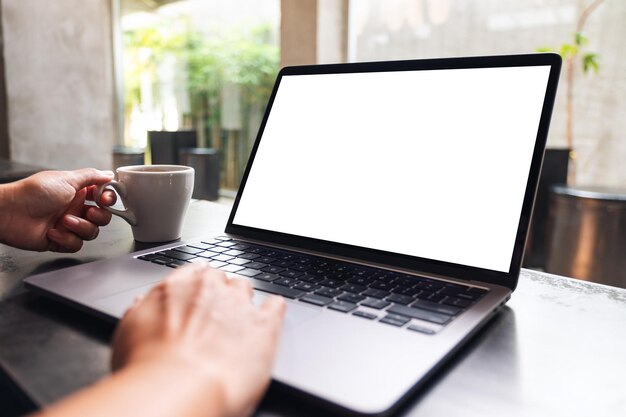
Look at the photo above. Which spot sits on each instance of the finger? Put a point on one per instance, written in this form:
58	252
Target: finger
107	198
77	206
274	306
81	227
98	216
64	241
136	302
242	286
85	177
181	293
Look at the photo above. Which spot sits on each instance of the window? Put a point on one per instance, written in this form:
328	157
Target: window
406	29
200	65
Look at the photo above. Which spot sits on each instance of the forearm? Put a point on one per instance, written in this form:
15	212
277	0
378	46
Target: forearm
146	390
7	203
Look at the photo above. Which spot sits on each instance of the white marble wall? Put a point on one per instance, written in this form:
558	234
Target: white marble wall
59	79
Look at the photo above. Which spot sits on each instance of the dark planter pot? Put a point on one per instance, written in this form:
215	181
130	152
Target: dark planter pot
166	146
206	163
553	172
125	156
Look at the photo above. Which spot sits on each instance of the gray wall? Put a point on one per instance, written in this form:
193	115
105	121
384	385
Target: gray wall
59	78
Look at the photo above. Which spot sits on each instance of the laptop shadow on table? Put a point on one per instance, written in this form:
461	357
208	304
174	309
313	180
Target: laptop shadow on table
283	401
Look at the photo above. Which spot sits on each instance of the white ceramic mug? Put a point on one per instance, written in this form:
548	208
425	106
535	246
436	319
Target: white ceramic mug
155	199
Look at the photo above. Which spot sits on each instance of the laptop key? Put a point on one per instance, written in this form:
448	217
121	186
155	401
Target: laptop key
249	256
291	274
176	264
306	286
457	287
437	308
314	279
265	276
329	292
400	299
437	297
233	252
364	315
360	280
218	264
188	249
231	268
318	300
200	245
467	296
287	282
265	259
256	265
148	257
273	269
395	320
479	291
354	288
300	267
382	285
176	255
352	298
420	329
375	303
457	302
208	254
343	306
219	249
161	260
420	314
406	291
222	257
282	263
199	261
275	289
371	292
249	272
238	261
333	283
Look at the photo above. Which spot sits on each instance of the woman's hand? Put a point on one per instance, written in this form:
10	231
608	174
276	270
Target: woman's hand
198	320
47	211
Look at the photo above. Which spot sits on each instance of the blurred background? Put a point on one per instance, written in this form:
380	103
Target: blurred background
112	82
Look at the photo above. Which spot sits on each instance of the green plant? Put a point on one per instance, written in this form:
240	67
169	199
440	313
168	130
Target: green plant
574	55
244	56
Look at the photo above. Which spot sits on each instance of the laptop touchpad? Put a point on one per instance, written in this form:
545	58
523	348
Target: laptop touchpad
296	313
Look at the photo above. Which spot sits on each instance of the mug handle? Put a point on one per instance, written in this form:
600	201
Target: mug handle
120	188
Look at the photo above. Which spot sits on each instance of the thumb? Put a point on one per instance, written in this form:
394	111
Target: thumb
85	177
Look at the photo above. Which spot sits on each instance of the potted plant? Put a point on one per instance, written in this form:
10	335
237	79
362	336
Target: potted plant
559	164
575	56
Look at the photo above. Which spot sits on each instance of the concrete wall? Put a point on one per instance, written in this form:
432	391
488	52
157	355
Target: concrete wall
59	78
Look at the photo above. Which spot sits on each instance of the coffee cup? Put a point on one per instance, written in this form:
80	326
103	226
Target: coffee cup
155	198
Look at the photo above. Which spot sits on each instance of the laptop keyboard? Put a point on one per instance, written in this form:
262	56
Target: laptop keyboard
420	304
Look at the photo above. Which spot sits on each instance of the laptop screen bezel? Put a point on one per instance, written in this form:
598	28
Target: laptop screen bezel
419	265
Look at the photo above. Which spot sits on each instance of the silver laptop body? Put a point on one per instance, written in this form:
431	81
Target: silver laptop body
417	175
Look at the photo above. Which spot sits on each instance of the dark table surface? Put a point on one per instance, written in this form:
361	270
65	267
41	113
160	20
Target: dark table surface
558	348
13	171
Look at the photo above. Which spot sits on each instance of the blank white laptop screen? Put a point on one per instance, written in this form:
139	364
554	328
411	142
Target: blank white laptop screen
431	163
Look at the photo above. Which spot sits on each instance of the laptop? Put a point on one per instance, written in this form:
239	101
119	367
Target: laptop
388	202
